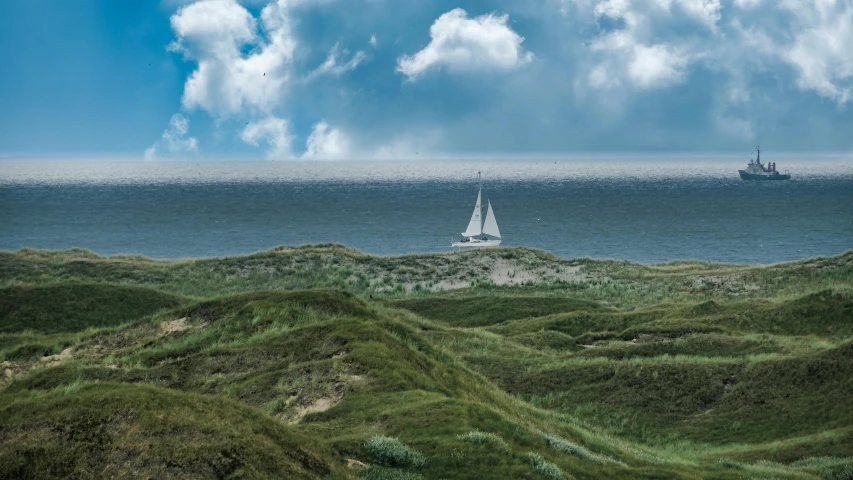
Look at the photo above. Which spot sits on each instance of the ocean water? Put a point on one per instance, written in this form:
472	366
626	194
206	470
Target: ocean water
640	209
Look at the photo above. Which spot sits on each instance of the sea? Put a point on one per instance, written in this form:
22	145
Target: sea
638	208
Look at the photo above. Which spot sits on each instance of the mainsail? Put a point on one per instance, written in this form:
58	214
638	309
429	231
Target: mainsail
490	227
474	226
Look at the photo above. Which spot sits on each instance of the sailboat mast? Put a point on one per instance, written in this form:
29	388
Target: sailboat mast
480	182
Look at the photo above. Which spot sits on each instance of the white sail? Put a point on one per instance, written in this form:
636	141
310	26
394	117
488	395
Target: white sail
490	227
474	226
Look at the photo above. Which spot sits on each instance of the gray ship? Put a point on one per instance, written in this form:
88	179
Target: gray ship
756	171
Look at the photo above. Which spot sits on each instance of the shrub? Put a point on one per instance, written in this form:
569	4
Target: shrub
391	452
474	436
543	467
478	437
568	447
845	473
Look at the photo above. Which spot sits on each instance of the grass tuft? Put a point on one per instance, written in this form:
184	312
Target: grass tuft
477	437
545	468
391	452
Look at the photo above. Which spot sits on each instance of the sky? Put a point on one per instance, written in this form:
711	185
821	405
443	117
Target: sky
390	79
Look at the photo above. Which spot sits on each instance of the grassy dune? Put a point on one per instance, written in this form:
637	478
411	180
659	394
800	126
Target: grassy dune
322	362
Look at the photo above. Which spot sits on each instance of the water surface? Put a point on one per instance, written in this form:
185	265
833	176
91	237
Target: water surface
637	209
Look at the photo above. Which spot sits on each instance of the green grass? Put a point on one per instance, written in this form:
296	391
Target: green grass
122	430
72	307
284	366
483	311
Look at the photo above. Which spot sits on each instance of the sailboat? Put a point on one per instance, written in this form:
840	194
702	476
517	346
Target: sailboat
480	233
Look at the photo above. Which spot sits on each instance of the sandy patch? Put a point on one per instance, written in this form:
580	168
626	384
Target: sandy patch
451	285
356	379
353	463
319	405
499	271
505	272
731	285
178	325
9	370
65	354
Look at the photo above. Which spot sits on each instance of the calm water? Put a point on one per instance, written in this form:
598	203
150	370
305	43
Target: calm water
637	209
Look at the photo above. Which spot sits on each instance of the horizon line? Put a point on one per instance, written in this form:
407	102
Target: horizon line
417	157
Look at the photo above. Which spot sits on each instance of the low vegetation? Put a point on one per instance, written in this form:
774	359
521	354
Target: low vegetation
322	362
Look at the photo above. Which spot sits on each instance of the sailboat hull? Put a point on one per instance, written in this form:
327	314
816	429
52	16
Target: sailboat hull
477	243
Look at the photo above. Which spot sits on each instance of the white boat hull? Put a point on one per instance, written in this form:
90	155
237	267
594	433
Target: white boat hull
477	243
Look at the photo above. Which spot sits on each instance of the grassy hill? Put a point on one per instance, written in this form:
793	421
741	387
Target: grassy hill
322	362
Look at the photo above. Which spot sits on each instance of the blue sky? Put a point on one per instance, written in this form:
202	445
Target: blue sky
328	79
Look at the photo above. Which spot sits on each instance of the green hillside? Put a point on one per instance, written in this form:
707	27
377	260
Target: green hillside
322	362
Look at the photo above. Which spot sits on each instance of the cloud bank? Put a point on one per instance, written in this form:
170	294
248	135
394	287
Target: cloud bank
333	80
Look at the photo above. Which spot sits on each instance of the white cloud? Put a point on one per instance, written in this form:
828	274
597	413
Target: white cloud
274	132
461	43
150	153
174	138
821	50
327	143
633	55
176	135
656	66
645	66
814	38
227	81
617	9
373	40
332	67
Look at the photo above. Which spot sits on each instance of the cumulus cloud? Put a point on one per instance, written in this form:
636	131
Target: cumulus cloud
461	43
272	131
372	40
812	37
213	33
821	49
637	54
174	138
646	66
656	65
326	143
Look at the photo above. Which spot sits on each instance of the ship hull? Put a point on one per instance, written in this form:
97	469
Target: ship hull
752	176
477	243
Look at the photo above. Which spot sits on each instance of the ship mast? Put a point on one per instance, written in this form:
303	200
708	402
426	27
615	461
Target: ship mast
758	158
480	183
